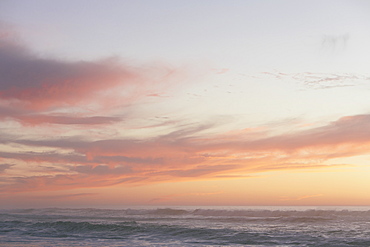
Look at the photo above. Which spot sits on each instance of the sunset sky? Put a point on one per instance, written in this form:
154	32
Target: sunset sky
172	102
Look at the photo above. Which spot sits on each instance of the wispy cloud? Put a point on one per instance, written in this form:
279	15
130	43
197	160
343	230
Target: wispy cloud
285	198
27	117
321	80
64	196
188	154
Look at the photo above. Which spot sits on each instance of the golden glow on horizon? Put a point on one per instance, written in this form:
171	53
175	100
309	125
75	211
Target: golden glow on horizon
299	188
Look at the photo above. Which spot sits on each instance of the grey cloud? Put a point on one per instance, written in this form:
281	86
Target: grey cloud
4	167
103	170
20	69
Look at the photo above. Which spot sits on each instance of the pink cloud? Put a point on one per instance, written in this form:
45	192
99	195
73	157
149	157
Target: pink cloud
41	83
34	89
187	154
345	131
68	120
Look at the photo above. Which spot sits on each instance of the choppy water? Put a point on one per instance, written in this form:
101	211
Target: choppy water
186	226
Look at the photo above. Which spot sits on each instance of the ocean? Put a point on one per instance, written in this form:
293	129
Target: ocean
186	226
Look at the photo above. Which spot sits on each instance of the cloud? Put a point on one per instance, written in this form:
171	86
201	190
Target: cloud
38	90
78	158
285	198
27	117
75	98
346	130
4	167
321	80
102	170
66	120
42	83
65	182
187	154
64	196
198	171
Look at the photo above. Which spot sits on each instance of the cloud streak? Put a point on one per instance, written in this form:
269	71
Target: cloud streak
285	198
187	154
321	80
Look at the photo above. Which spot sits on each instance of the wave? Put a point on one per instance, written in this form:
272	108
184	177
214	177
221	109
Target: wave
188	226
281	213
123	230
140	234
183	212
63	229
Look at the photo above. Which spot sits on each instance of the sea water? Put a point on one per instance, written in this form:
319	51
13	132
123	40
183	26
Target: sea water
186	226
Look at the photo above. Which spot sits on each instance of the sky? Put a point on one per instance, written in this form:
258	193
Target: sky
168	102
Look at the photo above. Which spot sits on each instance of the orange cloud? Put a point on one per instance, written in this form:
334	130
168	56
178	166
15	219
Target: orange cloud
186	154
